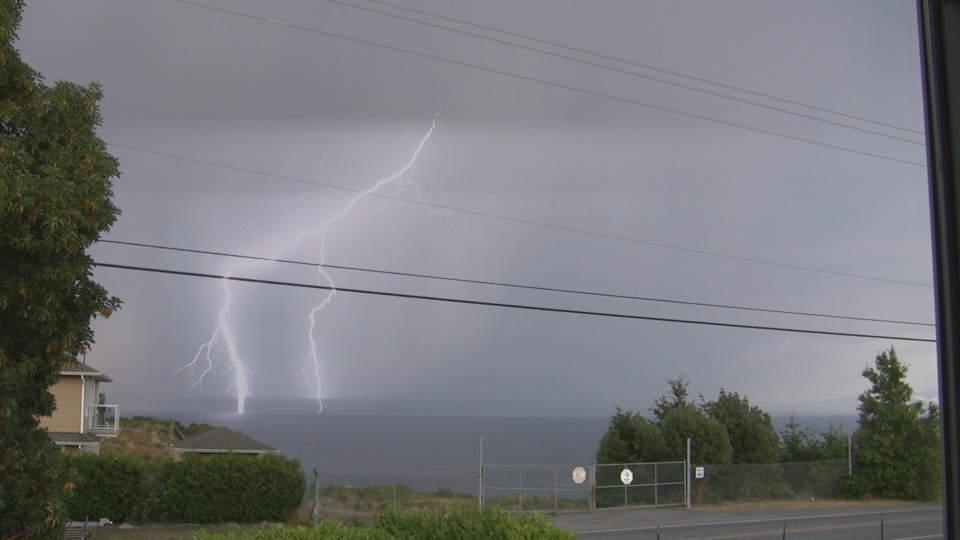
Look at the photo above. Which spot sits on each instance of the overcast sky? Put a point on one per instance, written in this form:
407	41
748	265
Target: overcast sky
761	154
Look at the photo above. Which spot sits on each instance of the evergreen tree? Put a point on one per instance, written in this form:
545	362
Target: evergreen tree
54	203
897	445
680	419
803	444
630	438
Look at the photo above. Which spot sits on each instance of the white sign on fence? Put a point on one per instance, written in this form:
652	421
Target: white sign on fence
699	472
579	475
626	476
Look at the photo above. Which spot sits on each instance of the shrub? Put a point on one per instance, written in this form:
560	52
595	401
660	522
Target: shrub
231	487
324	531
106	487
852	487
467	523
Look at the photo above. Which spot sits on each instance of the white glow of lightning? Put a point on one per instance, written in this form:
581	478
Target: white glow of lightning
312	361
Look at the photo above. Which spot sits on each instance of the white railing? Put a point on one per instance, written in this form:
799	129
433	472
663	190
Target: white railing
104	420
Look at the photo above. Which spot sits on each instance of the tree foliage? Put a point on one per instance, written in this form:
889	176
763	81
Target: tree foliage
709	441
753	438
897	445
54	203
803	444
631	438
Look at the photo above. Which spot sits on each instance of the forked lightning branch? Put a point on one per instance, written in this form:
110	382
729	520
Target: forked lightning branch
223	337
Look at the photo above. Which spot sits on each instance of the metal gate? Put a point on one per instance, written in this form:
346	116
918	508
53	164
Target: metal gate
639	484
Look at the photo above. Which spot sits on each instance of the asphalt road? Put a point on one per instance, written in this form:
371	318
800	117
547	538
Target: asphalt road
913	522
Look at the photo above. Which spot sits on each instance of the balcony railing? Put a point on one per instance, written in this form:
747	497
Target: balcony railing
104	420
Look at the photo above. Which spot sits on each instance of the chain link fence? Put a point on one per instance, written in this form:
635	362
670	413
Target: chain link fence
536	488
768	482
523	488
640	484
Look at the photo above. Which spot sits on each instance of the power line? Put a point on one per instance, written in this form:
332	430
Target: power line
513	285
611	68
548	83
636	64
510	306
527	222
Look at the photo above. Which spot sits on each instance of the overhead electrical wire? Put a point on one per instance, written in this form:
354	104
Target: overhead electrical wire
511	285
637	64
524	221
621	71
526	307
549	83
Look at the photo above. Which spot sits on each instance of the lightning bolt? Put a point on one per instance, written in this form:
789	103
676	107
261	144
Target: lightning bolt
203	364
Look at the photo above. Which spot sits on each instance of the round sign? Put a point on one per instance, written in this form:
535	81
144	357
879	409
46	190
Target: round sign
579	475
626	476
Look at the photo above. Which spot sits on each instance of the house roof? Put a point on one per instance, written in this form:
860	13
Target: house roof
85	370
222	440
71	439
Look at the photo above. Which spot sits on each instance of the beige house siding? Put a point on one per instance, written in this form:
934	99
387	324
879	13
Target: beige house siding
68	394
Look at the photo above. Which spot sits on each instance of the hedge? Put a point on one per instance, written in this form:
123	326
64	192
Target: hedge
232	487
105	487
215	489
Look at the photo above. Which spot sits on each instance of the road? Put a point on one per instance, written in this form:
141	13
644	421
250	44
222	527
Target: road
912	522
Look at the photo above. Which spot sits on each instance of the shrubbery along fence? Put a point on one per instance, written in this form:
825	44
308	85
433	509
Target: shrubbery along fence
219	488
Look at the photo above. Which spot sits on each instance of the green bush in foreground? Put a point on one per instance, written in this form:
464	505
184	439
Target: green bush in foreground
467	523
325	530
464	523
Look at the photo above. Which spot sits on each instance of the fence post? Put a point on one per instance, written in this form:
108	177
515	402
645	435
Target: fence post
480	487
520	495
593	487
556	489
686	476
315	513
394	492
849	455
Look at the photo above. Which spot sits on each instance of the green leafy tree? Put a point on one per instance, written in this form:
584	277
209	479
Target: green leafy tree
680	419
709	441
630	438
753	438
803	444
897	445
54	203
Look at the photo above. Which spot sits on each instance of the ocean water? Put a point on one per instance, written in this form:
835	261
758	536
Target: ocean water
370	446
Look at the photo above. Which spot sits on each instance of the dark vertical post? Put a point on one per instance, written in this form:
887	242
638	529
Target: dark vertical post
939	25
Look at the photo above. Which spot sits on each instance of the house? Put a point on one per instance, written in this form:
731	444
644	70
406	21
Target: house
82	418
221	440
